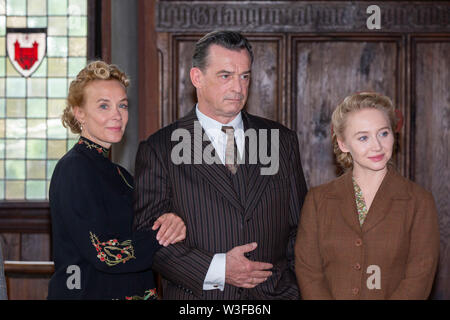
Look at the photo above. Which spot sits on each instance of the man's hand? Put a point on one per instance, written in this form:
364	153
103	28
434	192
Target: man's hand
172	229
242	272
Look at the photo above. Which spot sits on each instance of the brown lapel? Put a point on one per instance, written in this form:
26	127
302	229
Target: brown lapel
342	190
215	174
392	188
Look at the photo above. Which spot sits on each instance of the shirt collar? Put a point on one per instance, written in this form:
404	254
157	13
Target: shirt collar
213	127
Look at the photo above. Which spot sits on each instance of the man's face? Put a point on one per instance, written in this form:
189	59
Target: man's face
222	87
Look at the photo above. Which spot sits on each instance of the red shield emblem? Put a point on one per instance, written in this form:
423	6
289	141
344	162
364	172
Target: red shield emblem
26	48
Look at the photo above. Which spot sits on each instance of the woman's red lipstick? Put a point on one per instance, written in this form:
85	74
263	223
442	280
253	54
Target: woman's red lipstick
377	158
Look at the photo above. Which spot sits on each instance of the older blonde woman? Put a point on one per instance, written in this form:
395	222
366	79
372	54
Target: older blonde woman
369	234
95	252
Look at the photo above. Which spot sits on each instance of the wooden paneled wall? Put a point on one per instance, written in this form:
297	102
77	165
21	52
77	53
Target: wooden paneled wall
430	136
25	239
309	55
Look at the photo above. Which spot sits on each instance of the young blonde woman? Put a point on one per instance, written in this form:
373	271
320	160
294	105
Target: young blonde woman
91	199
371	233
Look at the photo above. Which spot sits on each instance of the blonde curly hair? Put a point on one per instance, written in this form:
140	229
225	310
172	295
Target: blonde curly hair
353	103
96	70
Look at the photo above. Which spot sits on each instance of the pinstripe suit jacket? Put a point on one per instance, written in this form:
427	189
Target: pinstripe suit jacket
221	211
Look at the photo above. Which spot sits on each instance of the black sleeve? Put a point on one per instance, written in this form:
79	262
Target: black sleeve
77	198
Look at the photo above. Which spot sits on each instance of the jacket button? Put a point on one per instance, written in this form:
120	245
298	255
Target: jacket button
357	266
358	242
355	291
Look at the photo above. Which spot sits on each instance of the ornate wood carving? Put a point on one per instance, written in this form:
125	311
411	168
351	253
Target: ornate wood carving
299	16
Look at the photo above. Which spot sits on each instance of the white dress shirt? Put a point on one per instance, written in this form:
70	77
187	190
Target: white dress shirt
215	277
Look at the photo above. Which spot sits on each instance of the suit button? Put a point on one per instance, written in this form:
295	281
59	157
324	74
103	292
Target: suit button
355	291
357	266
358	242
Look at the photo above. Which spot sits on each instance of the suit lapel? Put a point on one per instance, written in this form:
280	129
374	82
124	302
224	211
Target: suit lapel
343	191
391	189
256	183
215	174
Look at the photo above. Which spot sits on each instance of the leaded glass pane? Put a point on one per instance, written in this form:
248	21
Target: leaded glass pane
37	128
36	149
15	87
36	108
15	169
37	7
37	22
15	108
15	190
15	148
57	7
35	189
16	7
16	128
36	169
57	26
57	67
55	107
56	148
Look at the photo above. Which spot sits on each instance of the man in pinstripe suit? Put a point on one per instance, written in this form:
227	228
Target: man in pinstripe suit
241	223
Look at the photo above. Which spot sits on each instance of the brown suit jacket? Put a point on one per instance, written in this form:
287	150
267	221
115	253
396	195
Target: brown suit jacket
221	211
400	235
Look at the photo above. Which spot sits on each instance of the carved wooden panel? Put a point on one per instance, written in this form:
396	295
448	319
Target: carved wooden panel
25	235
299	16
325	71
431	140
266	97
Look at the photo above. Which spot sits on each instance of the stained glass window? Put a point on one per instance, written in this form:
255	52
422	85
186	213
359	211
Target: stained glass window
32	138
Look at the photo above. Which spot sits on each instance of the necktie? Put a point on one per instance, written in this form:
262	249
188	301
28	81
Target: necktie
231	152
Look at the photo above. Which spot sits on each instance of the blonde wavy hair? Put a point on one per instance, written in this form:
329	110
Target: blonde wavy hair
355	102
96	70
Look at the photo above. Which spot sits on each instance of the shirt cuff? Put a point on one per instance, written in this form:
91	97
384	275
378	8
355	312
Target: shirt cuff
215	277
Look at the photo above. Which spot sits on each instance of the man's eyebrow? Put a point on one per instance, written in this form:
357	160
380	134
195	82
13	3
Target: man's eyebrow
230	72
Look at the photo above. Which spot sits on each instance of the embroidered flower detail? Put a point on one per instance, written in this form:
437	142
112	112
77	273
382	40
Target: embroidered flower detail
123	178
148	295
108	251
92	146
